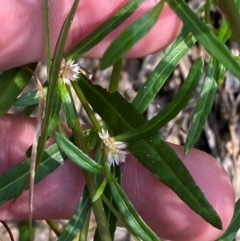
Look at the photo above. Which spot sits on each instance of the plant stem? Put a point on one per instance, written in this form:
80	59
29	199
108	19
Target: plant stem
98	208
84	231
86	106
207	11
53	227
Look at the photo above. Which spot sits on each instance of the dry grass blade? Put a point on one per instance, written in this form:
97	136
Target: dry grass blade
33	159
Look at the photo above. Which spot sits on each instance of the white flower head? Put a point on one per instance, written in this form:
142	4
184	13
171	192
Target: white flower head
115	153
69	71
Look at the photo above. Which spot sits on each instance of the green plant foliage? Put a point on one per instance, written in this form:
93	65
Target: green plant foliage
13	179
204	104
68	104
31	98
133	220
131	35
163	162
156	80
76	155
77	219
205	37
104	29
171	109
12	82
234	226
123	121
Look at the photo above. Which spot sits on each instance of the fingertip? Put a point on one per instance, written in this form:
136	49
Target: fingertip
169	216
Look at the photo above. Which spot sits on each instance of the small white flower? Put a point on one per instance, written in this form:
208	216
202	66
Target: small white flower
69	71
115	153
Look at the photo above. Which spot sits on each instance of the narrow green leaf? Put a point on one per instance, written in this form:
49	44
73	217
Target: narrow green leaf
104	29
224	32
56	107
135	223
130	36
52	102
91	138
47	36
13	179
234	226
31	98
204	104
205	37
155	81
100	190
68	105
171	109
77	219
12	82
121	116
76	155
7	76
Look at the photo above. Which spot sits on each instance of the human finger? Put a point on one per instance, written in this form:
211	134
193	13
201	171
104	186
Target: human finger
23	28
56	195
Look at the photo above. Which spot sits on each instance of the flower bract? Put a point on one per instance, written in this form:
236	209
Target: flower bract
116	154
69	71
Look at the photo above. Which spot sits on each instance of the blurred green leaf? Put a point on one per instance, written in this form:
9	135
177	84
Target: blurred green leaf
24	234
13	179
31	98
176	51
77	219
100	190
104	29
234	226
171	109
205	37
135	223
204	104
130	36
53	100
12	82
76	155
152	152
225	31
68	105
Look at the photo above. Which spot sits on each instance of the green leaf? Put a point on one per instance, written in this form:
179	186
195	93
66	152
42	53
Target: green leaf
91	138
204	104
24	234
162	161
155	81
12	82
52	102
130	36
76	155
31	98
135	223
205	37
171	109
104	29
77	219
13	179
234	226
100	190
224	32
68	105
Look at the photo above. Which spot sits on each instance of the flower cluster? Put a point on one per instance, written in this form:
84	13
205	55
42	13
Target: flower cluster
69	71
115	153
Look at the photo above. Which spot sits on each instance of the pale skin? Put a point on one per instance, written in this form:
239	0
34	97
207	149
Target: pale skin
22	42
